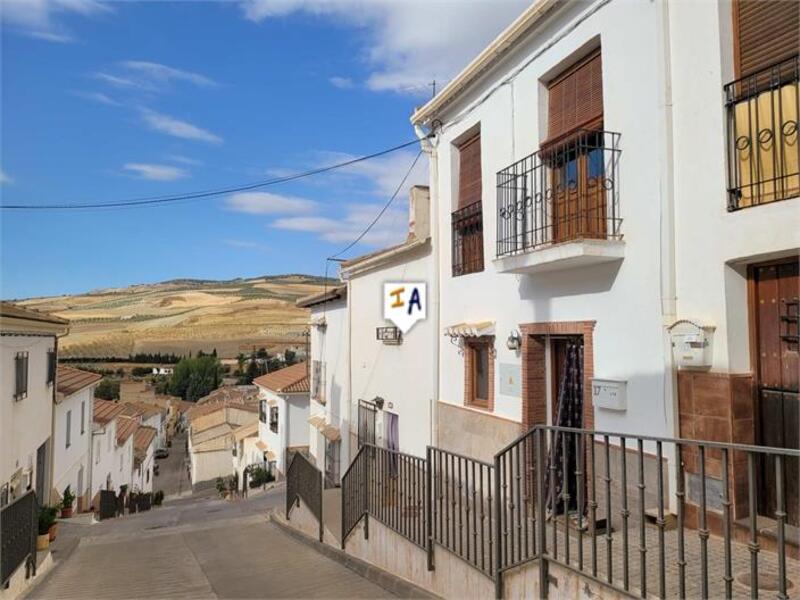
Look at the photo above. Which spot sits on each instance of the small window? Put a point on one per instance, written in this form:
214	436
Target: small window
69	428
479	372
83	417
467	218
273	419
21	374
262	411
318	381
51	366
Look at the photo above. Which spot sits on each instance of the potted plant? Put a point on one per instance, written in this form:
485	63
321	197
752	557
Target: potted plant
67	500
47	518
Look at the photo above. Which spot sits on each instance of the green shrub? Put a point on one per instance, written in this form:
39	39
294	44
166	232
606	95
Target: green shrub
68	498
47	517
158	498
259	476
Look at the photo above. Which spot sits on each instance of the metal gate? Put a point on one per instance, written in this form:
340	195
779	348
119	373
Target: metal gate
367	413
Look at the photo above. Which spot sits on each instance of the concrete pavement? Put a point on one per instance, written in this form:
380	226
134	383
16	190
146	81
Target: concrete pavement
200	547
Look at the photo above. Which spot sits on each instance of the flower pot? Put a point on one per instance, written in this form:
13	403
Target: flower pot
43	542
66	512
53	531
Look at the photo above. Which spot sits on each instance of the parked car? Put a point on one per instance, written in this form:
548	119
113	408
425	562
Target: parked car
162	453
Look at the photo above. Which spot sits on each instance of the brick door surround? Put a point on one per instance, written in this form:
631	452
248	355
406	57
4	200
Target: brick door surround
534	387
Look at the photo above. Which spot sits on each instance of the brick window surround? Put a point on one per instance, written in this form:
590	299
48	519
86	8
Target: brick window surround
534	386
471	346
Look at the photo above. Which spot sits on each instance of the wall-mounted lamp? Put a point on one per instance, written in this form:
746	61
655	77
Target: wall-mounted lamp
514	340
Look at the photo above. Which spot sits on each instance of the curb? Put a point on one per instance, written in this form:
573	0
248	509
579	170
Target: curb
391	583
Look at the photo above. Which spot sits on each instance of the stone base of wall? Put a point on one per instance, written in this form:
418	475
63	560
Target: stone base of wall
474	433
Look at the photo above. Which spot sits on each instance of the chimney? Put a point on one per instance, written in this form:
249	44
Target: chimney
419	212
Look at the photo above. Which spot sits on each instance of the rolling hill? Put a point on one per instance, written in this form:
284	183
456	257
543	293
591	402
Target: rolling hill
183	315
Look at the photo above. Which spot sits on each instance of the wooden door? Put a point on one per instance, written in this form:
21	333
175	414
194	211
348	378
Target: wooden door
776	293
579	198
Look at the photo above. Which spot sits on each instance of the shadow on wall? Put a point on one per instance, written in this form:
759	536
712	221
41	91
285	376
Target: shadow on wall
541	288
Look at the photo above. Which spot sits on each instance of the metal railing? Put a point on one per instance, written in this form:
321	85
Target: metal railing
391	487
467	239
762	146
19	526
567	191
463	489
304	481
601	507
597	503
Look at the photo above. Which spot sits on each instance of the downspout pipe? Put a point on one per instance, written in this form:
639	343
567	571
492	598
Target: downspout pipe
429	144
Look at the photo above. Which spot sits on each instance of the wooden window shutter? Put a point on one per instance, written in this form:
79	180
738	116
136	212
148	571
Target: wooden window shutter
469	174
765	32
575	98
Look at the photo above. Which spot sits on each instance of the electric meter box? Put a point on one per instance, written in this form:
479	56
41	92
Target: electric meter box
610	394
691	345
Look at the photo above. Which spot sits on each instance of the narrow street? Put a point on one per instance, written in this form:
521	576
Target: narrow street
198	547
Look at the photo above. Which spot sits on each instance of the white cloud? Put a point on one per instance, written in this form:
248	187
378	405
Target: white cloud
117	81
183	159
247	245
39	18
408	43
265	203
97	97
157	72
177	128
4	178
390	229
156	172
342	83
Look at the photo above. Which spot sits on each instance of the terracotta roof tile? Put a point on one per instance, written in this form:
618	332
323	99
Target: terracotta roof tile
143	437
70	380
126	426
9	309
106	411
289	380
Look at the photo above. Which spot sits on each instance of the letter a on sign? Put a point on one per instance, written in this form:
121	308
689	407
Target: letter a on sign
404	303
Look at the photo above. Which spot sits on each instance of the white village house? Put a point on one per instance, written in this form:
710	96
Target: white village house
283	414
72	435
28	352
330	405
144	445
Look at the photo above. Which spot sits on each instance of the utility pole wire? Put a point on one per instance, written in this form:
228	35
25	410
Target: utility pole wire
161	200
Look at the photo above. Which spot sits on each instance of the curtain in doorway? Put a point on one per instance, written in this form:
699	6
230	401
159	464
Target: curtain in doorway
569	413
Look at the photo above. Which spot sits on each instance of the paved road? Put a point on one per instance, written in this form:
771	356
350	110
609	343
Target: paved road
172	477
200	547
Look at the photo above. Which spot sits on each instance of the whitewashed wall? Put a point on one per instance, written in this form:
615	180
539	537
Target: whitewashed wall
712	244
624	298
103	458
293	430
403	375
67	462
24	424
330	345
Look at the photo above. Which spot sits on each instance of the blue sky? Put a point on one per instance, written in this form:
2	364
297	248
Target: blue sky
108	101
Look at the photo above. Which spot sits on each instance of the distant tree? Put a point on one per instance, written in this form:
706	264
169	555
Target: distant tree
214	352
141	371
194	378
241	359
289	357
262	353
107	389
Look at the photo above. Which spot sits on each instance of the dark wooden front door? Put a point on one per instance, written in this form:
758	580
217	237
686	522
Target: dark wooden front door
776	292
579	207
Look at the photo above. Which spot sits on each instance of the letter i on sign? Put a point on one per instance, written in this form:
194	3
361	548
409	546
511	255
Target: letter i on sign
404	303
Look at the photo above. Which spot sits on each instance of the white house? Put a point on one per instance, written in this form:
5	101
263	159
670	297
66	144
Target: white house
144	444
124	456
597	201
29	354
329	406
105	461
247	450
211	439
150	415
72	435
392	375
284	414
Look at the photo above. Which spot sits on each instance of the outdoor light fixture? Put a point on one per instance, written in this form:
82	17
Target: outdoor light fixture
514	340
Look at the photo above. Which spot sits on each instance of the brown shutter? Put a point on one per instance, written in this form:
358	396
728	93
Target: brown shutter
765	32
575	98
469	175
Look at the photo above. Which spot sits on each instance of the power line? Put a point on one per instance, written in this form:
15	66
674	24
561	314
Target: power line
160	200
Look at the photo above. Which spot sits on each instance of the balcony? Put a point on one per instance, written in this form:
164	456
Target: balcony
559	207
763	150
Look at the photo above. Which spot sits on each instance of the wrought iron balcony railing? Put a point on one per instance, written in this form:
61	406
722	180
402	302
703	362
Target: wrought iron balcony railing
763	148
564	192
